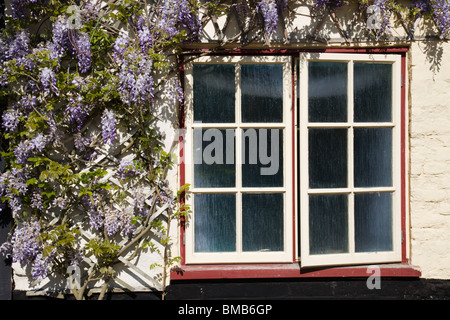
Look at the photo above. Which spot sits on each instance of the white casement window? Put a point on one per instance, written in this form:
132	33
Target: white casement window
239	159
329	194
349	158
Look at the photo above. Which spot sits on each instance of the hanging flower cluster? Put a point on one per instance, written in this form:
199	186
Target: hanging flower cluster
58	83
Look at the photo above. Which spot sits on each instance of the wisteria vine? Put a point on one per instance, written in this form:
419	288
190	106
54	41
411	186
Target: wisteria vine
62	81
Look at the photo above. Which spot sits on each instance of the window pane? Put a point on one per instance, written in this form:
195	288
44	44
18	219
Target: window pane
214	87
327	158
262	92
328	224
262	163
215	222
373	222
327	92
262	222
214	158
373	157
372	92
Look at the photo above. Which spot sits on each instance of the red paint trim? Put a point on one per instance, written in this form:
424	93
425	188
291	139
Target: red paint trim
181	125
297	51
403	155
292	270
235	271
294	164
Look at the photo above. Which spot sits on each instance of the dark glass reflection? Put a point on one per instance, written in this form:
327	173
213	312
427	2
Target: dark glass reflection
328	224
215	222
373	222
262	163
372	92
373	157
327	92
327	158
262	222
214	158
214	93
262	92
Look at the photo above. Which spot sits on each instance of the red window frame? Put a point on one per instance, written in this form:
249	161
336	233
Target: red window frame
293	270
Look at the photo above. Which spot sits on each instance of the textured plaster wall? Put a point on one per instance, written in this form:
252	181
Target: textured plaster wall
430	158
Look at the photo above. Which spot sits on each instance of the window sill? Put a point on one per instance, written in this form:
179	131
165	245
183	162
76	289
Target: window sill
288	270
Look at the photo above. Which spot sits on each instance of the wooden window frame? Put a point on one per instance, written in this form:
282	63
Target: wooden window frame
293	269
352	257
193	257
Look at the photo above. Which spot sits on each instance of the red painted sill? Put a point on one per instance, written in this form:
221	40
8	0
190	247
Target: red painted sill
287	270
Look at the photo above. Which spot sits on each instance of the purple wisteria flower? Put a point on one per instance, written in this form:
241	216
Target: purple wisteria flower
42	265
10	119
39	142
27	102
127	169
95	219
90	9
76	113
82	49
168	18
120	46
48	80
118	220
108	126
60	36
80	142
20	45
23	151
60	202
174	90
26	148
187	19
17	179
441	15
24	245
423	6
135	79
20	8
36	200
268	9
19	48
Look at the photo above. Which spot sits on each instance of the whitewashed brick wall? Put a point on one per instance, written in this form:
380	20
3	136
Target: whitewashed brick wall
430	159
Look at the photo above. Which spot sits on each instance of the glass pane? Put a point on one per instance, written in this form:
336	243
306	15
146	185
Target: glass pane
373	222
214	87
327	158
215	222
328	224
262	163
262	92
373	157
214	158
327	91
262	222
372	92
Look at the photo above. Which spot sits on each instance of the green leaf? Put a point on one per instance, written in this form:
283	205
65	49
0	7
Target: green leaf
31	181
